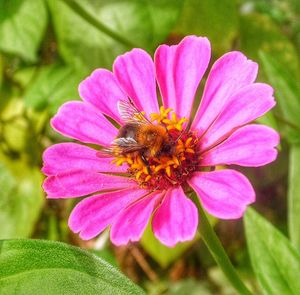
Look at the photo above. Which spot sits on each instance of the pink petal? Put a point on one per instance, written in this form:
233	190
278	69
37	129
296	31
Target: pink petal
81	121
135	73
251	145
93	214
72	156
131	223
179	70
79	183
176	219
248	104
228	75
224	193
102	90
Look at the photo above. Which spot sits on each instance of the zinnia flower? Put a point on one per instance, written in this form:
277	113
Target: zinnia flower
134	187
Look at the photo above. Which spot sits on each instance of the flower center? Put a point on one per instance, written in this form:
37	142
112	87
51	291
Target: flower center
170	154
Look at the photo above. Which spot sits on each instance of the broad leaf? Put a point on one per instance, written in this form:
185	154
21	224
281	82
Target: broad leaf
43	267
21	198
54	85
294	196
122	25
19	129
22	26
275	262
218	20
287	92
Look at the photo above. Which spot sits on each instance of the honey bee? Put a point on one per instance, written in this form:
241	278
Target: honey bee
139	135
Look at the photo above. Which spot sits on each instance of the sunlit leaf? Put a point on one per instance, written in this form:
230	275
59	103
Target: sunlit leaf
19	130
1	70
14	126
294	196
218	20
22	26
21	198
275	262
43	267
142	23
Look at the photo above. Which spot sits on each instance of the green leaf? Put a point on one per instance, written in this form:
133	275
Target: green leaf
269	120
190	286
218	20
21	198
1	70
107	255
294	196
22	26
144	23
14	127
54	85
274	260
24	76
160	253
287	93
19	129
260	33
43	267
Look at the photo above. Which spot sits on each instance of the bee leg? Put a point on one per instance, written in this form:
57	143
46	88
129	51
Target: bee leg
146	163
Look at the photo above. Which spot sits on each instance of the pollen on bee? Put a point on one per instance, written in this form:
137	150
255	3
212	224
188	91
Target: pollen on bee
165	169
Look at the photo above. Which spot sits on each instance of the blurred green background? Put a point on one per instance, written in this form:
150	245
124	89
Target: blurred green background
48	46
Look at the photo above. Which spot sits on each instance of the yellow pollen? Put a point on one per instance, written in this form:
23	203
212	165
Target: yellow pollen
174	123
175	160
148	178
121	160
159	167
138	175
191	151
168	171
161	116
189	140
171	168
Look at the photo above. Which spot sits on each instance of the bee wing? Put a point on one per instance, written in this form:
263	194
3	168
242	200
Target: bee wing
120	146
127	145
130	114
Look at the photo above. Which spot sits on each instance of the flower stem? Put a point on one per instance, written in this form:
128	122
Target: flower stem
78	8
215	247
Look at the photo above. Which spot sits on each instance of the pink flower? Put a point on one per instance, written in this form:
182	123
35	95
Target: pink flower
144	185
